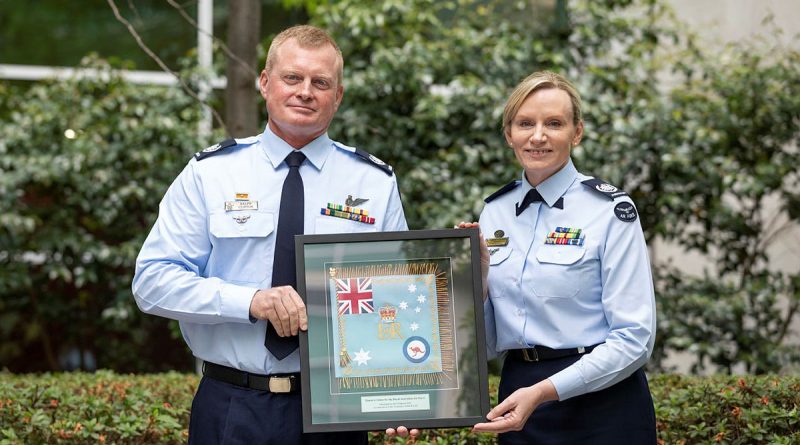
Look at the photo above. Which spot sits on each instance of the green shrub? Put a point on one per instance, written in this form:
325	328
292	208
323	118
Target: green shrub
82	408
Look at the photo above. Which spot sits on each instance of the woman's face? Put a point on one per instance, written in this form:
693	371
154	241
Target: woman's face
542	133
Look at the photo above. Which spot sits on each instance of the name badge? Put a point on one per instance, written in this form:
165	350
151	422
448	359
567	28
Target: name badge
240	205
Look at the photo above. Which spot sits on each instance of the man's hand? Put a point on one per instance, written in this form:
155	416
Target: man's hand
403	432
282	307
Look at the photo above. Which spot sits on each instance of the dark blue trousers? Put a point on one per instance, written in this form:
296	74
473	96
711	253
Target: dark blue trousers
620	414
227	414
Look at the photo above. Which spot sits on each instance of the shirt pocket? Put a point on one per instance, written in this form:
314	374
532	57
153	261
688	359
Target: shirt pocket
501	279
242	249
331	224
497	255
559	276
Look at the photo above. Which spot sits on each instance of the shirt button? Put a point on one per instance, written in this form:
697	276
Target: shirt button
516	283
520	312
519	340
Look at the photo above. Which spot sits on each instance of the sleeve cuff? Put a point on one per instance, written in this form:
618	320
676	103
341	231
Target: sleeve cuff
568	383
236	302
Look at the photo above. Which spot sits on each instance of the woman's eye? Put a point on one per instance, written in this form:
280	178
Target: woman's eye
554	124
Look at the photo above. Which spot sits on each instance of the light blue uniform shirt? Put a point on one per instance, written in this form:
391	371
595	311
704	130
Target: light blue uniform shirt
201	264
569	296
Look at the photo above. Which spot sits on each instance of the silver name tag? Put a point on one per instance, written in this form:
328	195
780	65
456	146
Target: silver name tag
241	205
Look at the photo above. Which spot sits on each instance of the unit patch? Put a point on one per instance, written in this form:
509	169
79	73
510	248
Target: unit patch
625	211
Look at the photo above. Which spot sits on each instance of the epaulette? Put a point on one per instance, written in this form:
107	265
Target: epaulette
215	149
367	157
506	188
604	188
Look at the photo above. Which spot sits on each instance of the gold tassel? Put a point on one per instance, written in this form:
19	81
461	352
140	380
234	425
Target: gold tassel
344	358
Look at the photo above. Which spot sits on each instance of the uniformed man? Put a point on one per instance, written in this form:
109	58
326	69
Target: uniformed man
220	257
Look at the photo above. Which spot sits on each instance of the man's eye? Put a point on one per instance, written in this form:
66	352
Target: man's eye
292	77
322	84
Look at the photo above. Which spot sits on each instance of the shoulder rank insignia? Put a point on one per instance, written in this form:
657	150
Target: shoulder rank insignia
604	188
504	189
373	160
215	149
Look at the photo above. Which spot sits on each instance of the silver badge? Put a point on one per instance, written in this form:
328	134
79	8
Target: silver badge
212	148
376	160
241	219
606	188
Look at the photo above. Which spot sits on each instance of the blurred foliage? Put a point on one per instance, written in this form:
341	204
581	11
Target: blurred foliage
704	140
83	165
105	407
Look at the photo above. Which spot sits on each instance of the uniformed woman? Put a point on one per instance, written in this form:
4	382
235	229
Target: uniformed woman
570	295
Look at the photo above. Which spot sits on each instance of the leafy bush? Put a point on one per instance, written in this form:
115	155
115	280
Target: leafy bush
83	166
82	408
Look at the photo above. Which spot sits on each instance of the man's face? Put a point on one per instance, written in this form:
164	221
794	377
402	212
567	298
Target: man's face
301	91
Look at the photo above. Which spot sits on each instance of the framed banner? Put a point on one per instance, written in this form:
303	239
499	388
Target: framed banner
395	330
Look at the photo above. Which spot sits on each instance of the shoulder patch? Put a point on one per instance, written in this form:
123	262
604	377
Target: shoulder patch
504	189
371	159
215	149
625	212
603	188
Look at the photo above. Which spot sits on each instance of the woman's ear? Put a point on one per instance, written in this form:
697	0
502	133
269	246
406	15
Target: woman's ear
578	134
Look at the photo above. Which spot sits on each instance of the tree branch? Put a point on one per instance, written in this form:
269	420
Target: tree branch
222	44
161	63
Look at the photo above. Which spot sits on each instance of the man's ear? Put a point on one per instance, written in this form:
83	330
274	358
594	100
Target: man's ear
263	79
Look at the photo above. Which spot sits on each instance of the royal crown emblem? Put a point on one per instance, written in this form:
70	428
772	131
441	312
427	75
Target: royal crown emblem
388	313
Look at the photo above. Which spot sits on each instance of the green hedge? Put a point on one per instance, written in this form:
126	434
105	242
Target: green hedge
106	408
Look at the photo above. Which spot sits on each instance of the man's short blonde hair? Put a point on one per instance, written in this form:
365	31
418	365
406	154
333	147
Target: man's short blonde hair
541	80
307	36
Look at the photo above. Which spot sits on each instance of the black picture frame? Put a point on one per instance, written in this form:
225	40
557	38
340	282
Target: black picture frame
370	360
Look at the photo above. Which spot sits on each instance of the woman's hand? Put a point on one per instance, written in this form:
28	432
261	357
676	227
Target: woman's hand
484	255
513	412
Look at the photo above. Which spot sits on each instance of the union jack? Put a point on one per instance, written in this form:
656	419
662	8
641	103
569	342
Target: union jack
354	296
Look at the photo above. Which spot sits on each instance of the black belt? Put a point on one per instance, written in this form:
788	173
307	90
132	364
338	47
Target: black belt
277	383
539	353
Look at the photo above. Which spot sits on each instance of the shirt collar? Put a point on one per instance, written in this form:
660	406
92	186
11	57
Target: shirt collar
276	149
553	187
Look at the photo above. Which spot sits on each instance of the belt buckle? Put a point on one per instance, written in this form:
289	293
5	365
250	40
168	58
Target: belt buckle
530	355
280	385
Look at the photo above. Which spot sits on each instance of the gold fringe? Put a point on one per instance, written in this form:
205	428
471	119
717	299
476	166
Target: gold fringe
372	270
392	381
445	322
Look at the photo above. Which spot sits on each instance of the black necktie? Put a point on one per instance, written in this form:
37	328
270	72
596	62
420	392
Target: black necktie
530	197
290	223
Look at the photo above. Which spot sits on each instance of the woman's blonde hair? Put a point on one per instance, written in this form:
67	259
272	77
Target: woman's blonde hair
541	80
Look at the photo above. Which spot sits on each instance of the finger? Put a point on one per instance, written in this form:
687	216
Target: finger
499	410
290	301
390	432
282	325
490	427
402	431
414	433
301	316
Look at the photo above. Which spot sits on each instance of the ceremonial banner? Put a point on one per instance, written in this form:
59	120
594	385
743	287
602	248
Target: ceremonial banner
395	334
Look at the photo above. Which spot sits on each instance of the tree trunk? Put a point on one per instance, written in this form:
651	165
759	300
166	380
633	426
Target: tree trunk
241	97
